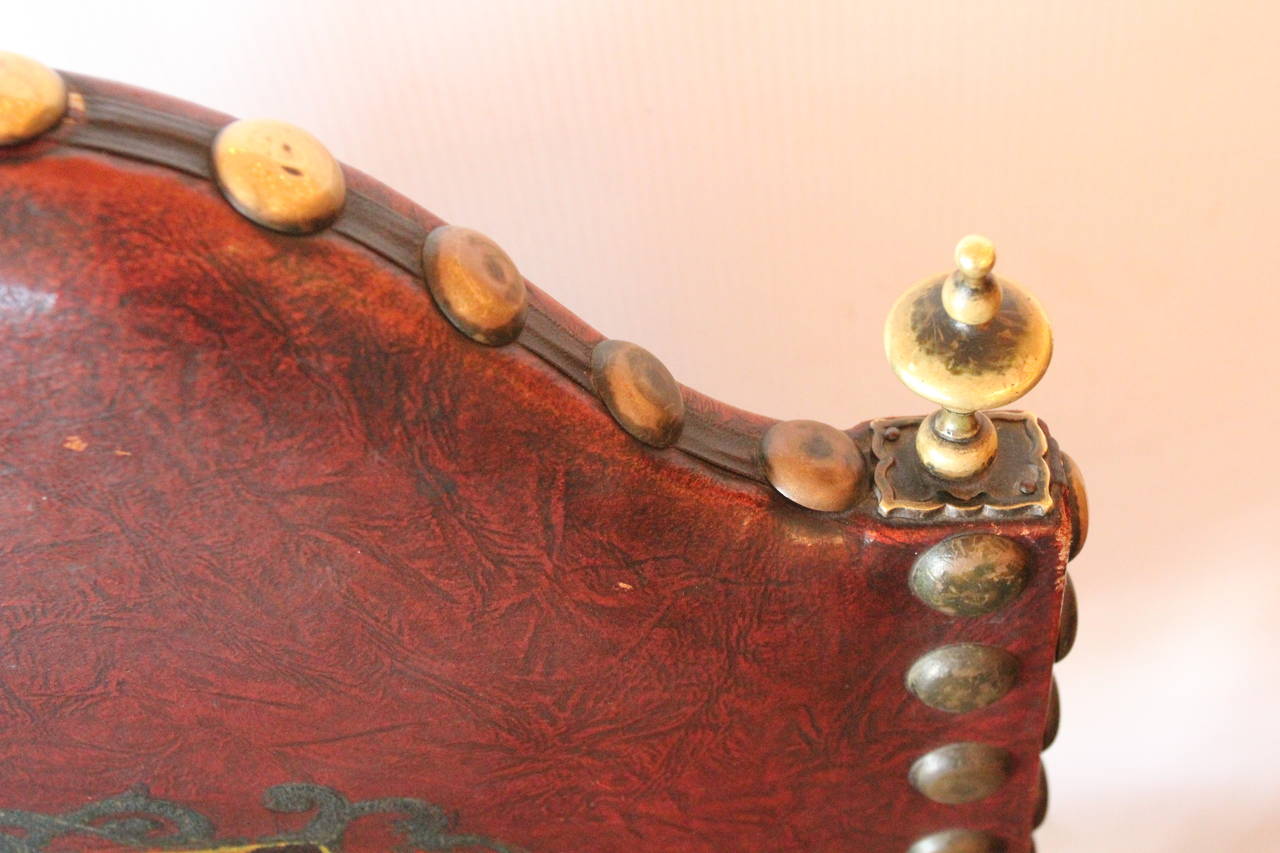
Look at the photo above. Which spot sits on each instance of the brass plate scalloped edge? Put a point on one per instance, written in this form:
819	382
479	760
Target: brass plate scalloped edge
894	503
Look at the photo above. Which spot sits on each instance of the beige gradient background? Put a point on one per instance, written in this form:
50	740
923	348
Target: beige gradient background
745	187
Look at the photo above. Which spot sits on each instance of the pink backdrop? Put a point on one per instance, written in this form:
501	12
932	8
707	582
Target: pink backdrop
744	188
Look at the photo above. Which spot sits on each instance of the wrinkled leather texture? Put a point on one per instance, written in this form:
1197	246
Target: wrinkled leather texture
265	517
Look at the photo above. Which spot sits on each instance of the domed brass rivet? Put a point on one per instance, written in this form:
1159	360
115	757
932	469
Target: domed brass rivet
1053	718
32	98
1069	620
475	284
970	574
1042	800
966	341
962	677
960	772
813	464
958	841
278	175
640	392
1078	497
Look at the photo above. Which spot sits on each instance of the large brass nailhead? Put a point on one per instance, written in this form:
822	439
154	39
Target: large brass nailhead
962	677
960	772
813	464
970	574
639	391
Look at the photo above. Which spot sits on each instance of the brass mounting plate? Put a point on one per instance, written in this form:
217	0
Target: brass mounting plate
1015	483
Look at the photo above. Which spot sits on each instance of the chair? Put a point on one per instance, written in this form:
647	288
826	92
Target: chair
324	530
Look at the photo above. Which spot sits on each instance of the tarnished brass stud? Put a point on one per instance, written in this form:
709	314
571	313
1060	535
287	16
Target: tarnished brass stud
1042	800
960	772
475	284
963	677
966	341
958	841
32	98
1053	718
970	574
1069	620
278	175
813	464
1078	497
640	392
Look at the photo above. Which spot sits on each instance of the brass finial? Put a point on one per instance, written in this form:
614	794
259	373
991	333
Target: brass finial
967	341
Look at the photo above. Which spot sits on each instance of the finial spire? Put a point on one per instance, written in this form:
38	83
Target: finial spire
967	341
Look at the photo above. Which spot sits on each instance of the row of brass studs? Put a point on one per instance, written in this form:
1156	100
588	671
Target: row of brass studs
1068	622
283	178
474	283
966	575
478	288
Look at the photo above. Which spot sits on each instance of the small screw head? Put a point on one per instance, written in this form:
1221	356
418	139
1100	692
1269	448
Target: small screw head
892	433
1027	487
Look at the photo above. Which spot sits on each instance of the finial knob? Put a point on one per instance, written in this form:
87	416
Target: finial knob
975	256
971	294
967	341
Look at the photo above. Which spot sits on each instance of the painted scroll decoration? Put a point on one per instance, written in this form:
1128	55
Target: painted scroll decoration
135	820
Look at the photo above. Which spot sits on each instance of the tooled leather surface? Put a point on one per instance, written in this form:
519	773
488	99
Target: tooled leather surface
266	518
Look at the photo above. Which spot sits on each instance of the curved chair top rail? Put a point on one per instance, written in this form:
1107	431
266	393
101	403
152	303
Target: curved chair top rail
166	131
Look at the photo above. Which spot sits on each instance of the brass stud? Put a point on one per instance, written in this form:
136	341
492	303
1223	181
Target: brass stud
1053	718
970	574
1042	800
958	841
962	677
960	772
1078	497
278	175
967	341
1068	621
475	284
813	464
33	98
640	392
